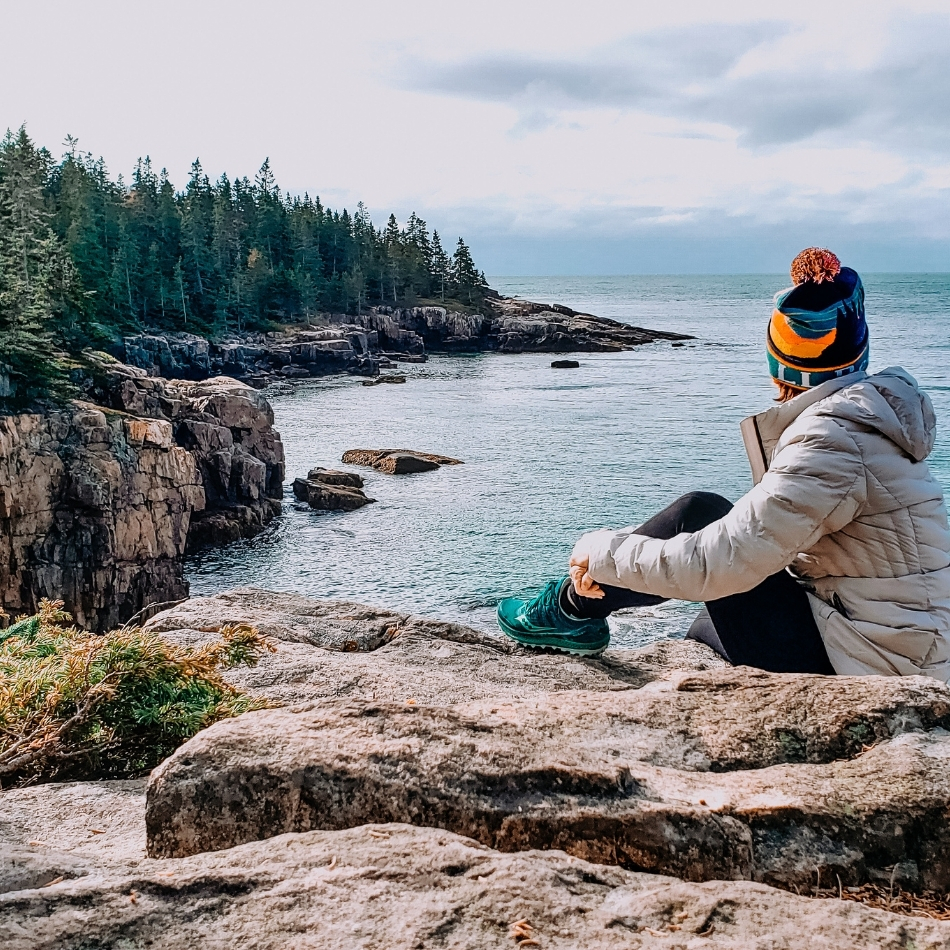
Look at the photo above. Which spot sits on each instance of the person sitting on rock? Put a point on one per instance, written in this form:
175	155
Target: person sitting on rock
837	560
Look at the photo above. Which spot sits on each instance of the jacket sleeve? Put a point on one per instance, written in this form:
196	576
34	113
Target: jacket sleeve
815	485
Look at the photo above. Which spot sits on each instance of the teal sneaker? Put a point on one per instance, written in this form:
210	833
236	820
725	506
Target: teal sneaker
542	623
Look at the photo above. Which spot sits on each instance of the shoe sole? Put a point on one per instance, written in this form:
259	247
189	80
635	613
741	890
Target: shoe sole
572	651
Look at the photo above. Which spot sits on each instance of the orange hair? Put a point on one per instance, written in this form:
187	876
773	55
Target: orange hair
786	391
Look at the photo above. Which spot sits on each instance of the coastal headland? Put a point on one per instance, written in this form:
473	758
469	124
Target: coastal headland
172	447
376	339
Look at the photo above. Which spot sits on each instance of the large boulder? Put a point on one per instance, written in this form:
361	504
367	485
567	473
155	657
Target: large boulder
727	774
228	427
393	885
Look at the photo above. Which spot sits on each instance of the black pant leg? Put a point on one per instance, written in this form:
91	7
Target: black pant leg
770	627
687	514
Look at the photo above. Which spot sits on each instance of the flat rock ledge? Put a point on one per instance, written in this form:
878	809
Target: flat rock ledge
408	888
662	759
331	649
729	774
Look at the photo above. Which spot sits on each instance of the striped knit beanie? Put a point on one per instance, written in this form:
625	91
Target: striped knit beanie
818	331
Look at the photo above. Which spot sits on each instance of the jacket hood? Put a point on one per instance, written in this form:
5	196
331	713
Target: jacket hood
890	402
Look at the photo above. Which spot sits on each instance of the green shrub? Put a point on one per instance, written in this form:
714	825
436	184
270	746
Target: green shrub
76	705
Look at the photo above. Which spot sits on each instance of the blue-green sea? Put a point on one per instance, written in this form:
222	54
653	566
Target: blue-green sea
550	453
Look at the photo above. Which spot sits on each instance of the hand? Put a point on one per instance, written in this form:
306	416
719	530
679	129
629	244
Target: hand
583	583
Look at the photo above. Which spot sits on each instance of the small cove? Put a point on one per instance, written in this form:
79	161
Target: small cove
549	453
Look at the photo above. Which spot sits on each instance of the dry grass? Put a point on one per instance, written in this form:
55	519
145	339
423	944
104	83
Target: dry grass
76	705
898	901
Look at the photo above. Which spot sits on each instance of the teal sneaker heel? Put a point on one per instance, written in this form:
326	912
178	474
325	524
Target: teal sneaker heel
540	623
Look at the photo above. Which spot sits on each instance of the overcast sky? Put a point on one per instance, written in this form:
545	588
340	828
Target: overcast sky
558	137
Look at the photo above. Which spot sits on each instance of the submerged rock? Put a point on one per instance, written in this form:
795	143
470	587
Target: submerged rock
565	364
395	378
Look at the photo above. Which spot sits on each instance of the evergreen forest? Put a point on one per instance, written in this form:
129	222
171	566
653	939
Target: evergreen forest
85	257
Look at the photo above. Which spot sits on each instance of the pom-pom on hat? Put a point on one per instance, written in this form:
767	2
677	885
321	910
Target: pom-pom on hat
818	331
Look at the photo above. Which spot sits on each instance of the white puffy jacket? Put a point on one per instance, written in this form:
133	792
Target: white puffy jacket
848	505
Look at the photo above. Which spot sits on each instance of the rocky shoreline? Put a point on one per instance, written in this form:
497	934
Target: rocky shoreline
424	785
381	338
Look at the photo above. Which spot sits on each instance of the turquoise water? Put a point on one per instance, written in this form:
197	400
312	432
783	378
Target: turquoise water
550	453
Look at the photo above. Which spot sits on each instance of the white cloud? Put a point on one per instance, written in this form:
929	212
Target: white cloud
520	122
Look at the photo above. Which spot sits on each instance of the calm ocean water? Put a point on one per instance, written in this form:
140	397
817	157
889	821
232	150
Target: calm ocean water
550	453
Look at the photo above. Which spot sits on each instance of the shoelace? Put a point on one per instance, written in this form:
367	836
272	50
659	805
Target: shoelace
544	610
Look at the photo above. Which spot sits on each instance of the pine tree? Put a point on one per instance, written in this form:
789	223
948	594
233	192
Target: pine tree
392	242
466	280
440	266
197	228
38	286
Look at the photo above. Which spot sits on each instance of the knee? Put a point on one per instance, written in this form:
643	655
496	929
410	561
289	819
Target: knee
696	509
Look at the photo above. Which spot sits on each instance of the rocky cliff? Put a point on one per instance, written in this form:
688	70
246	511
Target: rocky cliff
95	508
228	427
99	500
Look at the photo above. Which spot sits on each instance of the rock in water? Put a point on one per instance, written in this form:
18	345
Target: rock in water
727	774
564	364
327	476
397	461
326	490
405	463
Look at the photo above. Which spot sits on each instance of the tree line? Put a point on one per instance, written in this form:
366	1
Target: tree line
85	257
